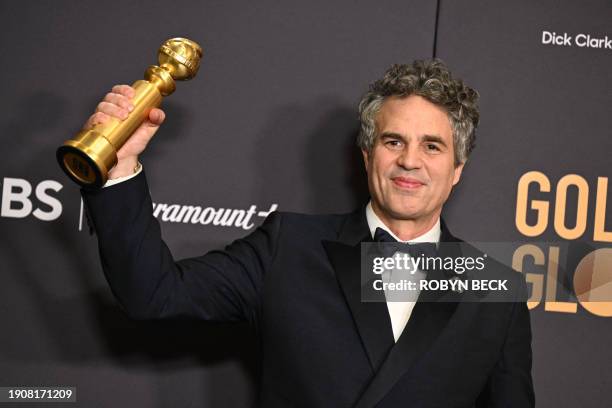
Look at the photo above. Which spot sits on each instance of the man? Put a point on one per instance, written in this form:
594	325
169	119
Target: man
296	279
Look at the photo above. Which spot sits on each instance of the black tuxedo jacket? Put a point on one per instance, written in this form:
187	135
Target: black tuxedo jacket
296	280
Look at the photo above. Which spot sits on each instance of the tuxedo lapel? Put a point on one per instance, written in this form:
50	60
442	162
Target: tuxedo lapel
426	322
371	318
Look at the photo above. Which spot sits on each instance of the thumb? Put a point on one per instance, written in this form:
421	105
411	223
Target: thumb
156	117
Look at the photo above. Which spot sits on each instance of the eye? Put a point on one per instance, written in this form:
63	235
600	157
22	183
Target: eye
394	144
432	147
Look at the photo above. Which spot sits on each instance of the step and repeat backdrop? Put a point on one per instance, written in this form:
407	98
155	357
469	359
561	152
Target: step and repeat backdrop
269	123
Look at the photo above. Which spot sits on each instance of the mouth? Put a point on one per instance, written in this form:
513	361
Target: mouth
407	183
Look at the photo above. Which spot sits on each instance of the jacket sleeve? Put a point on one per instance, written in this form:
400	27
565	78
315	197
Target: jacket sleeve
222	285
510	384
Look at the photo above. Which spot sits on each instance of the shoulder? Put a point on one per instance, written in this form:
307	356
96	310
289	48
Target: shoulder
316	222
319	226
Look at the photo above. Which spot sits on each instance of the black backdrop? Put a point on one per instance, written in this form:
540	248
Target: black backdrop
270	120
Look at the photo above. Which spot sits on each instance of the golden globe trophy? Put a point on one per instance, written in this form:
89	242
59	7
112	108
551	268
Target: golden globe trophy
89	156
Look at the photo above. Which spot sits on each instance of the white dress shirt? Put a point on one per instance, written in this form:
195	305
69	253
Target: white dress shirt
400	312
124	178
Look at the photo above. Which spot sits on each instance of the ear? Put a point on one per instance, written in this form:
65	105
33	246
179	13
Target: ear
457	176
366	158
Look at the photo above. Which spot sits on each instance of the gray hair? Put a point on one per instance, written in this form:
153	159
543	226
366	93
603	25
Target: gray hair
432	80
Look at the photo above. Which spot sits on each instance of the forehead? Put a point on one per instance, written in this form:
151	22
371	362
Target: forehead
413	116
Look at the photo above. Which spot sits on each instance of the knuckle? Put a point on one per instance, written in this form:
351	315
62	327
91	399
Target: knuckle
128	91
121	90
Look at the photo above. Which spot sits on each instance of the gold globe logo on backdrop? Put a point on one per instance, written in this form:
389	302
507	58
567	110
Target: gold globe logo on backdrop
592	280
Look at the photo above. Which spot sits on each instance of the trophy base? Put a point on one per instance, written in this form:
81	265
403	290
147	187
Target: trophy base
87	159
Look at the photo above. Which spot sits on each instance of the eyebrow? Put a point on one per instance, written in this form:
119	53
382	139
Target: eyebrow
424	138
433	138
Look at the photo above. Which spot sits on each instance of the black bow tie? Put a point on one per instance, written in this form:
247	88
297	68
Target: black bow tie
391	246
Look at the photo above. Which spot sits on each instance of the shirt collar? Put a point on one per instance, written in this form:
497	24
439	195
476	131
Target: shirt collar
433	235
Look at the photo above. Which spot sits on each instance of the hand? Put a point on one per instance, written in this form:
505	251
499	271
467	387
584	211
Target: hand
118	104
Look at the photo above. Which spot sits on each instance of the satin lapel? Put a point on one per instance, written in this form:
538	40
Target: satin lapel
371	318
426	322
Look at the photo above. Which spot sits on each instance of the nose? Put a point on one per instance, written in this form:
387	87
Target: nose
410	157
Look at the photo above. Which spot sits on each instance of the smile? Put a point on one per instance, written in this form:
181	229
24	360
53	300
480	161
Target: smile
407	182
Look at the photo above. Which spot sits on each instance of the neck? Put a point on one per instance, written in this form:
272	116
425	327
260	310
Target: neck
407	229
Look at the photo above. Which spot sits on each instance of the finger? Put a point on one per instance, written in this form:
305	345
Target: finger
145	132
157	116
96	118
119	100
112	110
124	90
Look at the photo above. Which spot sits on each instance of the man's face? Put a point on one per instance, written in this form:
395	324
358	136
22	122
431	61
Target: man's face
411	167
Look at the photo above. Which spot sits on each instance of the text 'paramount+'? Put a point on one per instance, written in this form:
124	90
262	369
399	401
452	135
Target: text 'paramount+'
222	217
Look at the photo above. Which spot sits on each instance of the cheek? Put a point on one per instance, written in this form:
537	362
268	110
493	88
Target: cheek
384	165
445	177
376	168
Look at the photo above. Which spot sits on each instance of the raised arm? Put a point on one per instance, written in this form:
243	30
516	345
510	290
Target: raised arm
220	286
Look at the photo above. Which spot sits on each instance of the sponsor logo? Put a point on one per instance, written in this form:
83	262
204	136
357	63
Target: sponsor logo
223	217
202	215
21	199
590	274
579	40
